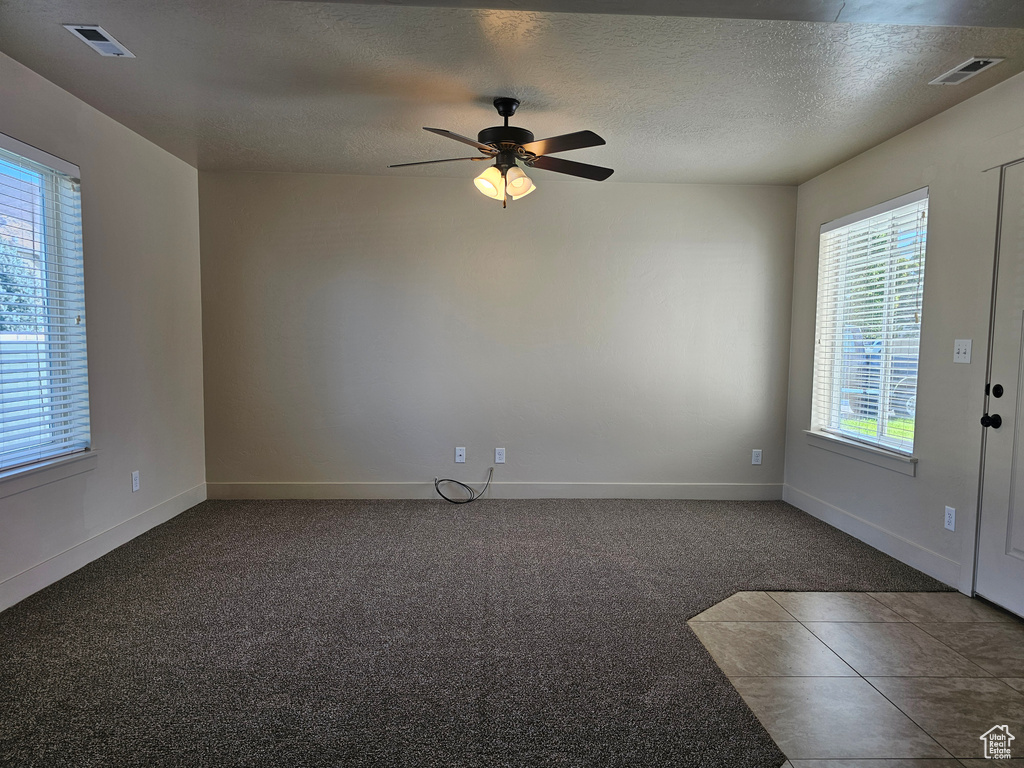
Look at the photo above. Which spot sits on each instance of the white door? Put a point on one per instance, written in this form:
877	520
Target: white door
1000	562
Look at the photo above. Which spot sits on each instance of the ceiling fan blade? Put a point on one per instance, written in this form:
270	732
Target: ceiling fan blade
463	139
584	171
563	143
431	162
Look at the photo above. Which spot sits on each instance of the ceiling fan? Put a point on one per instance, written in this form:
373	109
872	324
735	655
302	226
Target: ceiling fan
506	145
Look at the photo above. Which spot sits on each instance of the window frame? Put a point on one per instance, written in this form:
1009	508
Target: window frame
80	456
834	318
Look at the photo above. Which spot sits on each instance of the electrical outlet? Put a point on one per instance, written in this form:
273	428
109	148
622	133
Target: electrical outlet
135	481
962	351
499	455
460	455
755	456
950	519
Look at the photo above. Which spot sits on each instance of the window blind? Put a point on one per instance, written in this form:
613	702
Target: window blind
44	391
867	339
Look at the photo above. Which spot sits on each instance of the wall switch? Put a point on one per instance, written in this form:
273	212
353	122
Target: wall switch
460	455
950	519
755	456
962	351
499	455
135	481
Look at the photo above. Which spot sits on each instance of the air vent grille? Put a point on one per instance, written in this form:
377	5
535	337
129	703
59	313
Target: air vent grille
967	70
99	40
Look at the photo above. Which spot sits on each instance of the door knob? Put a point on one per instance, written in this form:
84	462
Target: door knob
995	421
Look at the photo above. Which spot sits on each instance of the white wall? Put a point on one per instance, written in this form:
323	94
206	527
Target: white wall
141	245
900	514
616	339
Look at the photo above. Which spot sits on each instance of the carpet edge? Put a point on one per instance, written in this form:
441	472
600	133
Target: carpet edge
39	576
909	552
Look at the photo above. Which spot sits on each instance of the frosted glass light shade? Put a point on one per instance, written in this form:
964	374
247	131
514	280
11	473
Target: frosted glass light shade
518	183
491	183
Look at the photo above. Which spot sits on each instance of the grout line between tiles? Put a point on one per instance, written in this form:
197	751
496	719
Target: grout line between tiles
889	606
858	674
804	624
772	596
909	717
925	732
985	672
954	650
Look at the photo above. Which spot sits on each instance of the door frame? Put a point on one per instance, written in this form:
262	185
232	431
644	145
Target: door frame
974	540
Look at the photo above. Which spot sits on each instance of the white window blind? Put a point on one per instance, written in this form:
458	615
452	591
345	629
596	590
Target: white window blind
44	391
867	340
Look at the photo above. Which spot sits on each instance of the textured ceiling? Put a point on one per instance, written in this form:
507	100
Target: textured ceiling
956	13
267	85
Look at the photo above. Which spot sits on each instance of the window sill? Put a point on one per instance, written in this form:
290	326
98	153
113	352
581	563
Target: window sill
906	465
21	479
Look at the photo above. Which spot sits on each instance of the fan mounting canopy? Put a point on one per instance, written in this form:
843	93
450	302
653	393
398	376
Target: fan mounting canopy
506	106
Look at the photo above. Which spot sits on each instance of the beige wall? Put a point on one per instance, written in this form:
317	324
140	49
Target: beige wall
900	514
616	339
141	244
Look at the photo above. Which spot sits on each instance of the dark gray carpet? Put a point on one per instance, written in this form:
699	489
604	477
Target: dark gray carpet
411	633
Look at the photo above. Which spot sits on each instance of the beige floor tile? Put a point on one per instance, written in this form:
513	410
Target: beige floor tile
893	649
895	763
1016	683
745	606
939	606
762	648
834	606
955	711
833	717
998	648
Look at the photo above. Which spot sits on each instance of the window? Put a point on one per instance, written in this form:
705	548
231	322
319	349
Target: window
44	391
870	287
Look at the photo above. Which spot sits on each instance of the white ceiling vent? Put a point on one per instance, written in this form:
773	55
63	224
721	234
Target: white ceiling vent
99	40
968	69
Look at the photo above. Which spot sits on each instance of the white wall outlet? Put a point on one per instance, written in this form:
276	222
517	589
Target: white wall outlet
499	455
135	481
755	456
962	351
460	455
950	519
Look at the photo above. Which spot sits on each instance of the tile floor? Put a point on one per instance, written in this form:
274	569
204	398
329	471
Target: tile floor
873	680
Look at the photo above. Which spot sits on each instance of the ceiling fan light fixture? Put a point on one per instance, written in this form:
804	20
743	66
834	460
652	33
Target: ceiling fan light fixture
491	183
518	183
507	145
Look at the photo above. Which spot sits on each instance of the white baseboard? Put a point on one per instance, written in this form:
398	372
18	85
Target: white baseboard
17	588
425	490
935	565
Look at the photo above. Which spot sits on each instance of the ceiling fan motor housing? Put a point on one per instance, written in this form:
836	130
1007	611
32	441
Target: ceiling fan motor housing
501	135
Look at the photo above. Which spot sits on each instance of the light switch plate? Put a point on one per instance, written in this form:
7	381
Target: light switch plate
962	351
